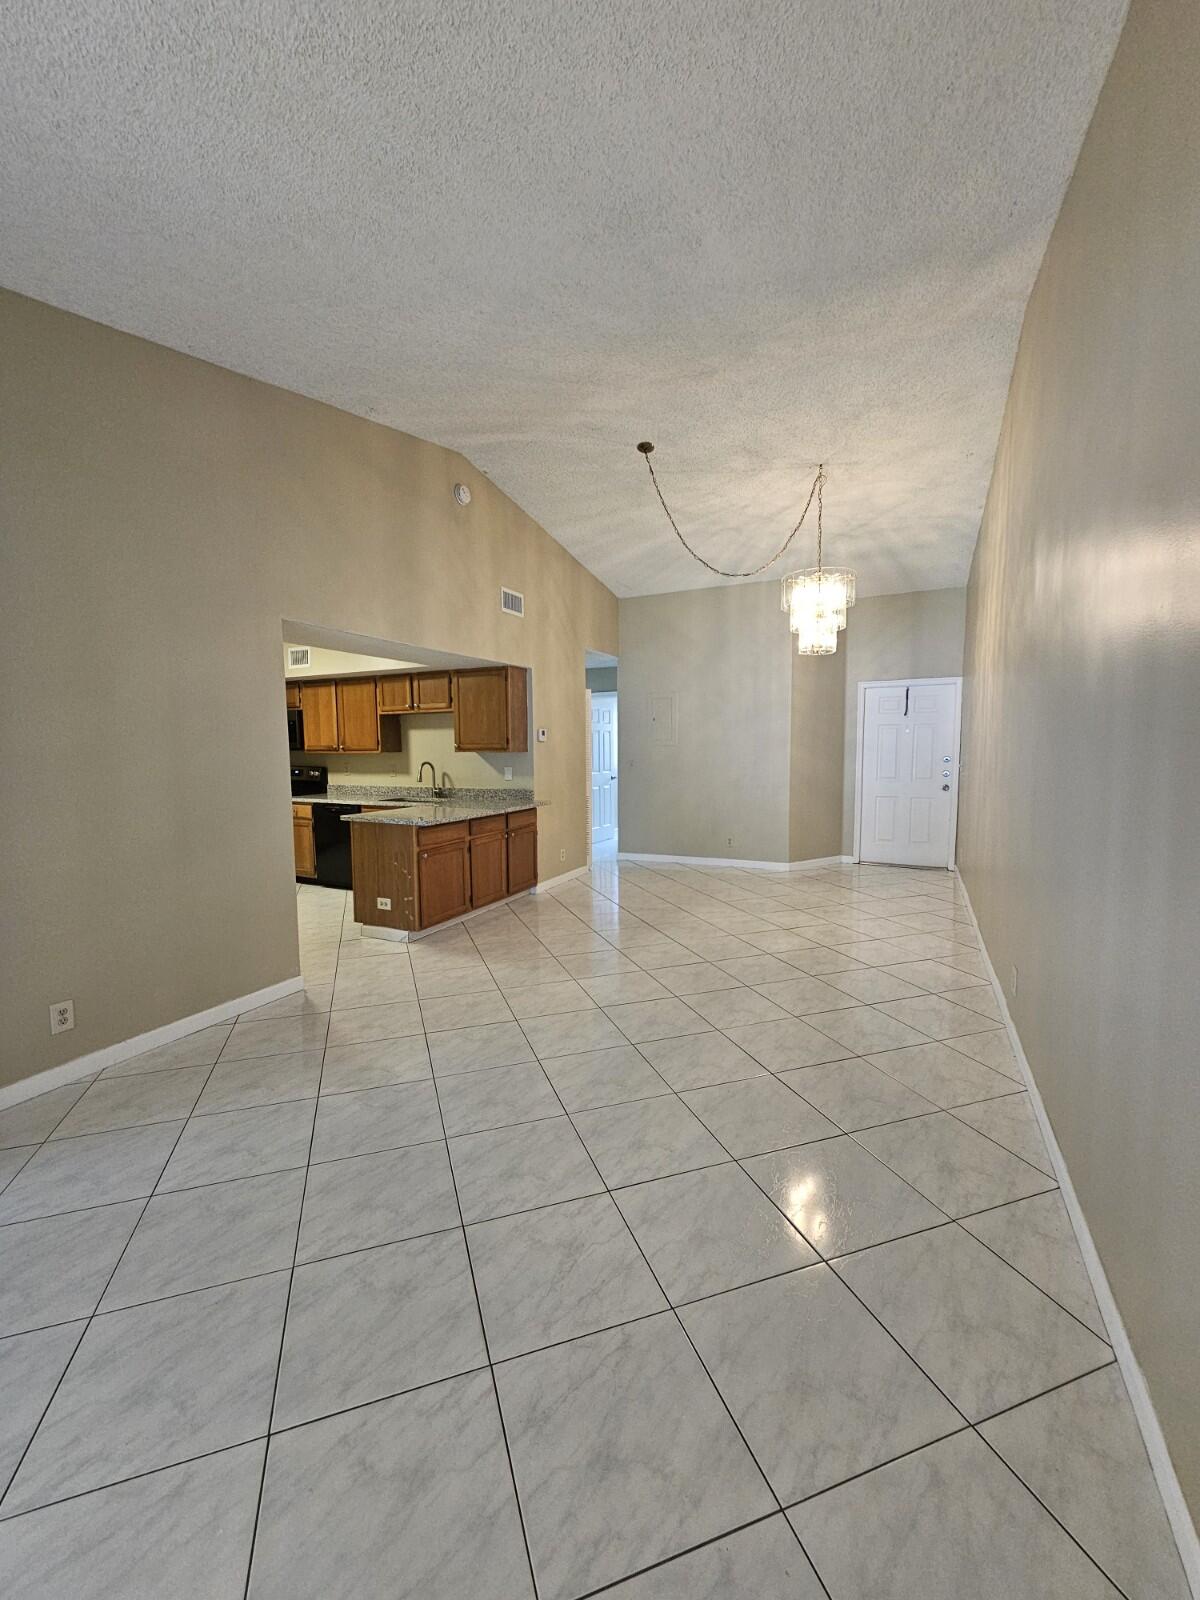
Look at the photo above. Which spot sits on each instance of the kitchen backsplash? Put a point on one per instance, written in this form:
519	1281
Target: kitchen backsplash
429	737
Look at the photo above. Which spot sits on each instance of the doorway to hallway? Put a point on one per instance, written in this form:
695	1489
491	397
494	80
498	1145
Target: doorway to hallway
604	774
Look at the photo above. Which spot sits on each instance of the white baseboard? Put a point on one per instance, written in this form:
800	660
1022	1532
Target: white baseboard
563	877
729	861
96	1060
1165	1475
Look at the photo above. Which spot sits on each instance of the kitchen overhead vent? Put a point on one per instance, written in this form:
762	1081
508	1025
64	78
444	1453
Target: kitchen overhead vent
512	602
297	655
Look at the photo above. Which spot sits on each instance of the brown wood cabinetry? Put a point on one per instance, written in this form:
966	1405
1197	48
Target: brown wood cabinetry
303	843
522	850
429	875
433	691
318	701
357	715
491	709
293	696
489	861
443	875
395	693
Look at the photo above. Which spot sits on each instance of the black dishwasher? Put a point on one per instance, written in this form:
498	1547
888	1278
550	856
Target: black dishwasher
331	835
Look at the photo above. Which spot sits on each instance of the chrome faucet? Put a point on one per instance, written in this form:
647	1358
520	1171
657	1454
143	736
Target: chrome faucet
433	774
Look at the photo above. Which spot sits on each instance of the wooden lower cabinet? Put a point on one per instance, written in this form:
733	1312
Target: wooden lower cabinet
443	879
429	875
303	843
489	861
522	850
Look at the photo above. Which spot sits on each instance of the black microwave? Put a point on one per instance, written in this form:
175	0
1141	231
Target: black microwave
295	728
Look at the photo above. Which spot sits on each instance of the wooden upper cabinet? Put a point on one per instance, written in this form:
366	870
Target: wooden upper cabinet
293	696
491	709
432	691
357	715
318	702
395	693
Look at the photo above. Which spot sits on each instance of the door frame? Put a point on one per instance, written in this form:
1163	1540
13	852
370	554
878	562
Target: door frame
592	696
882	683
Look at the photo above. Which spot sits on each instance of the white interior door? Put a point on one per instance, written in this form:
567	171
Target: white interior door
604	768
908	776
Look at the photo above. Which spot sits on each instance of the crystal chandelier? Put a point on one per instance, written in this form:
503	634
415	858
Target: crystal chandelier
816	599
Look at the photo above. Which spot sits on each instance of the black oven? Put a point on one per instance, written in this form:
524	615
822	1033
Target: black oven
295	728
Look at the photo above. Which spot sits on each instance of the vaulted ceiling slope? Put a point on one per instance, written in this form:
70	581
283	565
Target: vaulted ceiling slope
758	232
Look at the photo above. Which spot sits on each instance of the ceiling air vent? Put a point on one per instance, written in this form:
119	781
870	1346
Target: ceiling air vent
512	602
297	655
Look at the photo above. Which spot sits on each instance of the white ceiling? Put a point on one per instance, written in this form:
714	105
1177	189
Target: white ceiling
757	232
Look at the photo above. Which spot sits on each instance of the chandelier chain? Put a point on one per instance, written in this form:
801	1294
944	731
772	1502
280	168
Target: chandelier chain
751	572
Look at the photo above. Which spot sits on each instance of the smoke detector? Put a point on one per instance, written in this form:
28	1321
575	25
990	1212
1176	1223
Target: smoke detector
462	494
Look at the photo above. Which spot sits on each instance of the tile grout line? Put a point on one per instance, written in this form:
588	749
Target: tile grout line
287	1303
12	1477
673	1310
487	1349
624	954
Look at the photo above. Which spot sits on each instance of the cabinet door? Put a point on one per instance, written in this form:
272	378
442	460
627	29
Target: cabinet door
481	710
491	709
293	696
395	693
522	851
443	882
489	868
431	691
358	714
318	701
304	847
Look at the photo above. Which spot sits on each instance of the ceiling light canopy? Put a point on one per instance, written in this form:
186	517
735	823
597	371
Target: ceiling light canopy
816	599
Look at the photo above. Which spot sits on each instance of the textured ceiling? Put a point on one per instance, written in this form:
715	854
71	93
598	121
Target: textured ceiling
758	232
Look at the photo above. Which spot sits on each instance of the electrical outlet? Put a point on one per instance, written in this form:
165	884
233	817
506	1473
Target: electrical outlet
62	1016
508	772
1013	981
729	840
562	855
383	903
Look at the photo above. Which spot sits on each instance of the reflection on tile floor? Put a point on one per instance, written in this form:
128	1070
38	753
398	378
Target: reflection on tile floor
678	1232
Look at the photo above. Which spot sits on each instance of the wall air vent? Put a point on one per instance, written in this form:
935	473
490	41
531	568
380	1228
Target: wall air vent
512	602
297	655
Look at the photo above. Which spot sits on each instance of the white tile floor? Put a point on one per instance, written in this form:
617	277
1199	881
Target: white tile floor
676	1233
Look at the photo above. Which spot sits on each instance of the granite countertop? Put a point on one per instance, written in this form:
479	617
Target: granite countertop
495	800
430	814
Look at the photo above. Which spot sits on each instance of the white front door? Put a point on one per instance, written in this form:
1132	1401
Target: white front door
604	768
908	788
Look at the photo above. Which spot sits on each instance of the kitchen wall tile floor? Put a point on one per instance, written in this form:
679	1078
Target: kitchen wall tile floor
679	1232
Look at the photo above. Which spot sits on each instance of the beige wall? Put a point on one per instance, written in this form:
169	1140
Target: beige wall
1080	822
161	517
815	796
765	746
722	788
896	636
